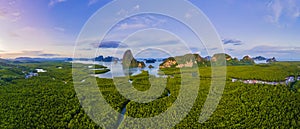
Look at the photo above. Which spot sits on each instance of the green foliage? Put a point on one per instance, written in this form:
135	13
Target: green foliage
50	101
267	72
101	71
128	61
141	81
42	102
100	67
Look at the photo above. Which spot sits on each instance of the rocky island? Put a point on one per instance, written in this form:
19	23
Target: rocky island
130	62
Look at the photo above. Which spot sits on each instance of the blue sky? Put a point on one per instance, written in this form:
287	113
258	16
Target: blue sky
247	27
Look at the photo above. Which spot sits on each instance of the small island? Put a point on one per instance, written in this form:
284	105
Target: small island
130	62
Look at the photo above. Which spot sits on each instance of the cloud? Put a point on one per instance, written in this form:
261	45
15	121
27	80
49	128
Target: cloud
229	49
140	22
9	11
28	53
27	33
136	8
112	44
281	52
2	51
142	42
232	41
91	2
31	35
190	13
133	24
49	55
293	8
213	49
6	14
16	14
276	8
126	26
59	29
53	2
85	49
124	12
194	49
3	14
151	53
281	10
108	44
275	49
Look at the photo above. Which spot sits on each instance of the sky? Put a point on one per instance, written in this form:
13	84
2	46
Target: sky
53	28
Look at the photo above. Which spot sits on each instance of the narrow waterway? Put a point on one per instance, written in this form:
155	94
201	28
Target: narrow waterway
123	111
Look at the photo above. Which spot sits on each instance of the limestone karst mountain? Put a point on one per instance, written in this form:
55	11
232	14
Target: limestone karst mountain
247	60
188	60
130	62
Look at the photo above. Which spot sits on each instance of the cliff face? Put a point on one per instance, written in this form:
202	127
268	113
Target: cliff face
192	60
219	59
169	63
247	60
188	60
221	56
130	62
271	60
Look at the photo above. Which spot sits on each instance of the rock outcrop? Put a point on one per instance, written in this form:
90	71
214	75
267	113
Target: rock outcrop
150	66
169	63
247	60
219	59
188	60
271	60
129	61
220	56
259	58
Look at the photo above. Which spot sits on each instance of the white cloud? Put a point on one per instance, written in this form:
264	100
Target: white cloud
16	14
136	8
126	26
28	53
296	14
27	37
276	9
53	2
59	29
293	8
281	52
132	24
279	9
27	30
9	13
124	12
189	14
91	2
158	39
141	21
2	14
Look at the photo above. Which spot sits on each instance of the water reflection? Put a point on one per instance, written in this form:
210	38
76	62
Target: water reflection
116	69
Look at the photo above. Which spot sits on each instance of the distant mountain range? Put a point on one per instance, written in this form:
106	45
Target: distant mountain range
111	59
37	60
106	59
3	60
191	60
259	58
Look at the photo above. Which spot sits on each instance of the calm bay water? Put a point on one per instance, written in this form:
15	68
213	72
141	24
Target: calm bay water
116	69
